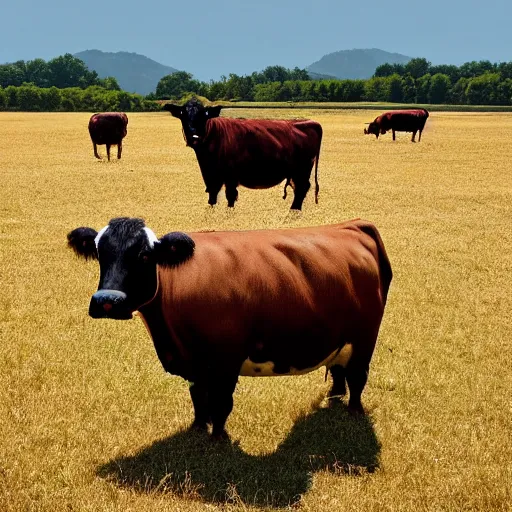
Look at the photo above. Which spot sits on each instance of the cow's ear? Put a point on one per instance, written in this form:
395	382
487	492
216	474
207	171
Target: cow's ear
81	240
173	249
213	111
175	110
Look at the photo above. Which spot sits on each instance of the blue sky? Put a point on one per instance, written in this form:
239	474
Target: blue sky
210	38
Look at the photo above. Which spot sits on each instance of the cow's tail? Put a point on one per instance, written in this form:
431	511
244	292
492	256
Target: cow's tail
386	273
317	188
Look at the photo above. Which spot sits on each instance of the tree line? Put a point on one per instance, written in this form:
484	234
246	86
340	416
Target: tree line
63	84
418	81
66	84
29	98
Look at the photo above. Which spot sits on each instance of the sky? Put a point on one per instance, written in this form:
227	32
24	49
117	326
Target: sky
214	38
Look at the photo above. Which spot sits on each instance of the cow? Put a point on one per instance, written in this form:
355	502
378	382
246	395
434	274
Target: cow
254	153
399	121
108	128
219	305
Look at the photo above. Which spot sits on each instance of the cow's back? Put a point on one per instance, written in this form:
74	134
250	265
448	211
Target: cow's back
260	152
286	289
407	120
108	127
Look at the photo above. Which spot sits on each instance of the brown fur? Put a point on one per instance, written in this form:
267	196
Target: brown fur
399	121
259	154
291	296
109	128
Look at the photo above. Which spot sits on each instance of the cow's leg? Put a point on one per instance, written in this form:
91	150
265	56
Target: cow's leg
338	381
108	152
220	402
119	149
288	182
357	375
356	371
231	194
394	135
419	135
199	395
96	151
413	136
301	189
213	192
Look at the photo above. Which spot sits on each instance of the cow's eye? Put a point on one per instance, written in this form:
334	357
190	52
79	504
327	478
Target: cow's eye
144	256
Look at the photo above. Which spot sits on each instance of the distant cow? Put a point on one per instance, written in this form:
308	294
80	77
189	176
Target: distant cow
399	121
254	153
256	303
108	128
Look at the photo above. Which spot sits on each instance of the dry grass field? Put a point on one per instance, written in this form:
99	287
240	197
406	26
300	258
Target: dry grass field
89	421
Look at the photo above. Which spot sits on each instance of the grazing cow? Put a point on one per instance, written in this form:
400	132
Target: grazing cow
254	153
256	303
399	121
108	128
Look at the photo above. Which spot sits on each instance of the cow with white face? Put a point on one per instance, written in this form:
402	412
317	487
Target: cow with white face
254	303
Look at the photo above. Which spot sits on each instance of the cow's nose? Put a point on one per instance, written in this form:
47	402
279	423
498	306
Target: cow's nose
109	304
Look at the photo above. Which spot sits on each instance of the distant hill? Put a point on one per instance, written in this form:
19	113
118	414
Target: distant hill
134	72
319	76
355	63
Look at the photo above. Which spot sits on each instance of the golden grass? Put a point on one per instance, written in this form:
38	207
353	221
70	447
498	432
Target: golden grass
90	422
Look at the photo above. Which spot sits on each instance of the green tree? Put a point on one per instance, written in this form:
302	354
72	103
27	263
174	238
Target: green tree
505	92
483	89
216	91
298	74
409	89
11	94
376	89
50	99
389	69
11	75
29	98
476	68
439	88
395	88
109	83
457	95
267	91
175	85
505	69
417	67
3	99
37	72
68	71
124	101
423	88
449	70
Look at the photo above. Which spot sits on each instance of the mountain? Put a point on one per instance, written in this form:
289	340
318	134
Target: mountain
355	63
319	76
134	72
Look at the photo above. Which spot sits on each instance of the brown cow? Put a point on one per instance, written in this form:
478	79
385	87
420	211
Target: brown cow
253	303
399	121
108	128
254	153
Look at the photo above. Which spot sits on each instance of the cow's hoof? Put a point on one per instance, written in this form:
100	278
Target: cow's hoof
220	436
355	409
199	426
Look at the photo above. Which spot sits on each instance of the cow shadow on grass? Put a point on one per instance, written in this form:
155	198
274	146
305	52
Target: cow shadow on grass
190	464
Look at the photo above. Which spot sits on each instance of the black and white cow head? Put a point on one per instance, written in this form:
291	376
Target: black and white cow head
193	116
128	253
